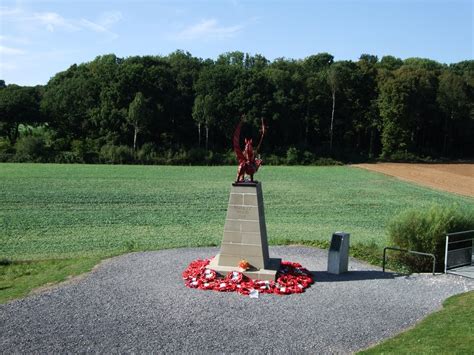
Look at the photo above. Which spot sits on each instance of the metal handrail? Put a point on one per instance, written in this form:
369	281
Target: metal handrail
448	242
408	251
461	241
463	232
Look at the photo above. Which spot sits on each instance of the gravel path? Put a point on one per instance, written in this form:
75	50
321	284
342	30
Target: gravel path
138	303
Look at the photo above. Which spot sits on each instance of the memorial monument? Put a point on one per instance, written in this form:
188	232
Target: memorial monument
243	264
244	247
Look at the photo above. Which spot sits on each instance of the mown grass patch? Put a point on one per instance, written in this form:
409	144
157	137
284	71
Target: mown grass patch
447	331
18	278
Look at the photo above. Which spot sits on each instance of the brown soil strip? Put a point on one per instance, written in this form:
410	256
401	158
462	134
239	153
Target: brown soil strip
456	178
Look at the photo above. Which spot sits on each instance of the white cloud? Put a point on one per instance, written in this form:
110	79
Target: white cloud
8	11
110	18
208	29
92	26
52	20
10	50
14	39
106	21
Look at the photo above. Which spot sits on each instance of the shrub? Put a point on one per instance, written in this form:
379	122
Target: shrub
66	157
30	148
400	156
197	156
116	154
229	158
86	150
273	159
61	145
308	158
5	146
147	153
327	162
425	231
292	156
7	157
7	152
213	158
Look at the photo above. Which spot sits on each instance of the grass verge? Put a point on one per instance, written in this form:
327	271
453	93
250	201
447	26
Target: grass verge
447	331
19	278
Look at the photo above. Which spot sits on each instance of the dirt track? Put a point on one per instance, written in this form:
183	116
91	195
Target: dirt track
457	178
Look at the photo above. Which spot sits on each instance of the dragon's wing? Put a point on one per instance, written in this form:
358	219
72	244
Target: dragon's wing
237	150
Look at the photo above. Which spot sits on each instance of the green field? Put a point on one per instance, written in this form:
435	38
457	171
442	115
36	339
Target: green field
65	211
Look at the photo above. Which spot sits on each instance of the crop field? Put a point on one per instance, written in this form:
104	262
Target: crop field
69	211
456	178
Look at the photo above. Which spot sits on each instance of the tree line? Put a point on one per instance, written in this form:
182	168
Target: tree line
183	109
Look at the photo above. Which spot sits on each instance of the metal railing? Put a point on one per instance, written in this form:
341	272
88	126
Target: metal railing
407	251
451	248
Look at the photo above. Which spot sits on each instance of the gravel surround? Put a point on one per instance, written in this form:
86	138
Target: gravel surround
138	303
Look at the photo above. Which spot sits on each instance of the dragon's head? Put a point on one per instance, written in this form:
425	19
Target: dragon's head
248	151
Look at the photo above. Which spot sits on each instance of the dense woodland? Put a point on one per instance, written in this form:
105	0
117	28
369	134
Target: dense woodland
182	109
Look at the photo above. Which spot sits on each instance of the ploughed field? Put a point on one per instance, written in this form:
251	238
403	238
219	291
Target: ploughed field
65	211
457	178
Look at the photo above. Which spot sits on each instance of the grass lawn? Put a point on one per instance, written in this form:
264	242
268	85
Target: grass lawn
450	330
19	278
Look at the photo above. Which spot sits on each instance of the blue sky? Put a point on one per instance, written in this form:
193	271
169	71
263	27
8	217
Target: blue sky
39	38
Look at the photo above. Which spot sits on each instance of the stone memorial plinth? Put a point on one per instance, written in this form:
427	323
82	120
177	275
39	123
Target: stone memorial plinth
245	235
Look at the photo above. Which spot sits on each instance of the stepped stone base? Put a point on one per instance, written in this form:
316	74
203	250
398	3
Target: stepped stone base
254	274
245	235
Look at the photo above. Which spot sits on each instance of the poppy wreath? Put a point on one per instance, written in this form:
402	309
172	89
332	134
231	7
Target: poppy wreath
291	278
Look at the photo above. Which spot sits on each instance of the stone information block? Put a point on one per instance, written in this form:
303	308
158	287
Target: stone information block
338	255
245	235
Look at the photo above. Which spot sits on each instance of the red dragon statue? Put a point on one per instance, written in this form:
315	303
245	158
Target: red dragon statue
248	165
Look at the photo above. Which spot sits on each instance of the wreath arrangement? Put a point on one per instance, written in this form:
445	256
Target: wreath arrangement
291	278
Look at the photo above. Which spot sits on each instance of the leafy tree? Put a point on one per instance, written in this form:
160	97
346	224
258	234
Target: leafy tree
370	122
318	62
423	63
18	105
185	71
453	101
235	58
406	105
314	99
336	76
213	91
202	114
69	101
137	116
389	62
316	106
